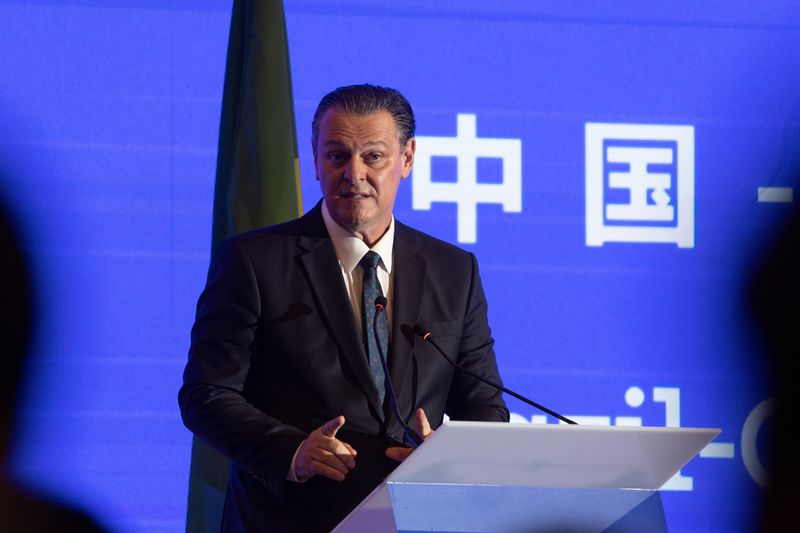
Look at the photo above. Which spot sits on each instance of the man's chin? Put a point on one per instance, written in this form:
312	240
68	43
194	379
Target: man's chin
351	222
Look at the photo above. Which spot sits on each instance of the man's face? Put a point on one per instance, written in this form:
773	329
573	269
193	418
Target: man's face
359	164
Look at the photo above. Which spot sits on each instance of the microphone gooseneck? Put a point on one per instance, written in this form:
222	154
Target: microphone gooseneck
421	331
411	435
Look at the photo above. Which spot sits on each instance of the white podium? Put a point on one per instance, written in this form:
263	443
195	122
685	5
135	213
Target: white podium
497	477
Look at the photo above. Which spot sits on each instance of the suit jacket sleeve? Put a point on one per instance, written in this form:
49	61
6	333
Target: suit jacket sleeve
212	399
468	398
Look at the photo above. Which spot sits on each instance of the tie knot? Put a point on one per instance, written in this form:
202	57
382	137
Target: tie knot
370	261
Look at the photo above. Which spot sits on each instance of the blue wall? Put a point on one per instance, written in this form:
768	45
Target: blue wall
108	129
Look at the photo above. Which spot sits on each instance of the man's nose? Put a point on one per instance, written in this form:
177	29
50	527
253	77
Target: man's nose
355	170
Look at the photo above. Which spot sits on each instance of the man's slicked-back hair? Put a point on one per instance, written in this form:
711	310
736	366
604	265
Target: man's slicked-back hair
364	100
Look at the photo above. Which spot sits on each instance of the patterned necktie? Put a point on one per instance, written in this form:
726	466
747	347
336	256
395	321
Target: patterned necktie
371	289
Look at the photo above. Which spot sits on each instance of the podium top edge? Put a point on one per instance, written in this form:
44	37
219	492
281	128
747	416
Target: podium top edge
581	427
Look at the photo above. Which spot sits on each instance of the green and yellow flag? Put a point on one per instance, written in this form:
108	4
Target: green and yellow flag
258	182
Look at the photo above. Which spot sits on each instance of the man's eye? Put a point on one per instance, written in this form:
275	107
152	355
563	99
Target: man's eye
373	156
335	157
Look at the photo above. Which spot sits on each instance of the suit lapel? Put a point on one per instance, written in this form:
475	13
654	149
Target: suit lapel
409	285
325	277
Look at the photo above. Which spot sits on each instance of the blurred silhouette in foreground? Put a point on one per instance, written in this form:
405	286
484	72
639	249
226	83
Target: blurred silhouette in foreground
21	510
774	301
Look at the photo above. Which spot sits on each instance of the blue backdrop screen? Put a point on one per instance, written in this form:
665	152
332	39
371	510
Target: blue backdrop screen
617	167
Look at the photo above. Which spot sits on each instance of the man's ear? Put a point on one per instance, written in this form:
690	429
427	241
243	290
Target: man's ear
408	156
314	151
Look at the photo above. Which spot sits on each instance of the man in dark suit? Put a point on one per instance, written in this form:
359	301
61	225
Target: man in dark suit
279	377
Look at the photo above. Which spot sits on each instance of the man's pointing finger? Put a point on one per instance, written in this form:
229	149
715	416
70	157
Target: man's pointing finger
332	426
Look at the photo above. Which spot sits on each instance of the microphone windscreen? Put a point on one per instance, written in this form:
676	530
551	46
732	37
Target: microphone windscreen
420	329
380	301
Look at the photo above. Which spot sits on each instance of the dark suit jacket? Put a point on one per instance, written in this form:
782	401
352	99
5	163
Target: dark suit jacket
276	352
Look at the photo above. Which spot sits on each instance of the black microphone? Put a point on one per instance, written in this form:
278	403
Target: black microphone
423	332
411	435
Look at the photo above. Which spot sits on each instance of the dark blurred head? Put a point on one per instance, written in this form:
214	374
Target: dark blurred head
16	310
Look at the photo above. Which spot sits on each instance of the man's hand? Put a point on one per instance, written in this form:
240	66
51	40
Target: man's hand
423	427
322	453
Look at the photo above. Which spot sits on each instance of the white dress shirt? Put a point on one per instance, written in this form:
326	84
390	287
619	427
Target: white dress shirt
350	250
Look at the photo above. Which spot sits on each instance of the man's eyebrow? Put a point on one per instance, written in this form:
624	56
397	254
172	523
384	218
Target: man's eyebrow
332	143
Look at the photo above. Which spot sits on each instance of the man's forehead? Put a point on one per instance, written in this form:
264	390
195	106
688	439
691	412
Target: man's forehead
337	142
339	126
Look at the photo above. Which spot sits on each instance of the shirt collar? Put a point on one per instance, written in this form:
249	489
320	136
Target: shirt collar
350	249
